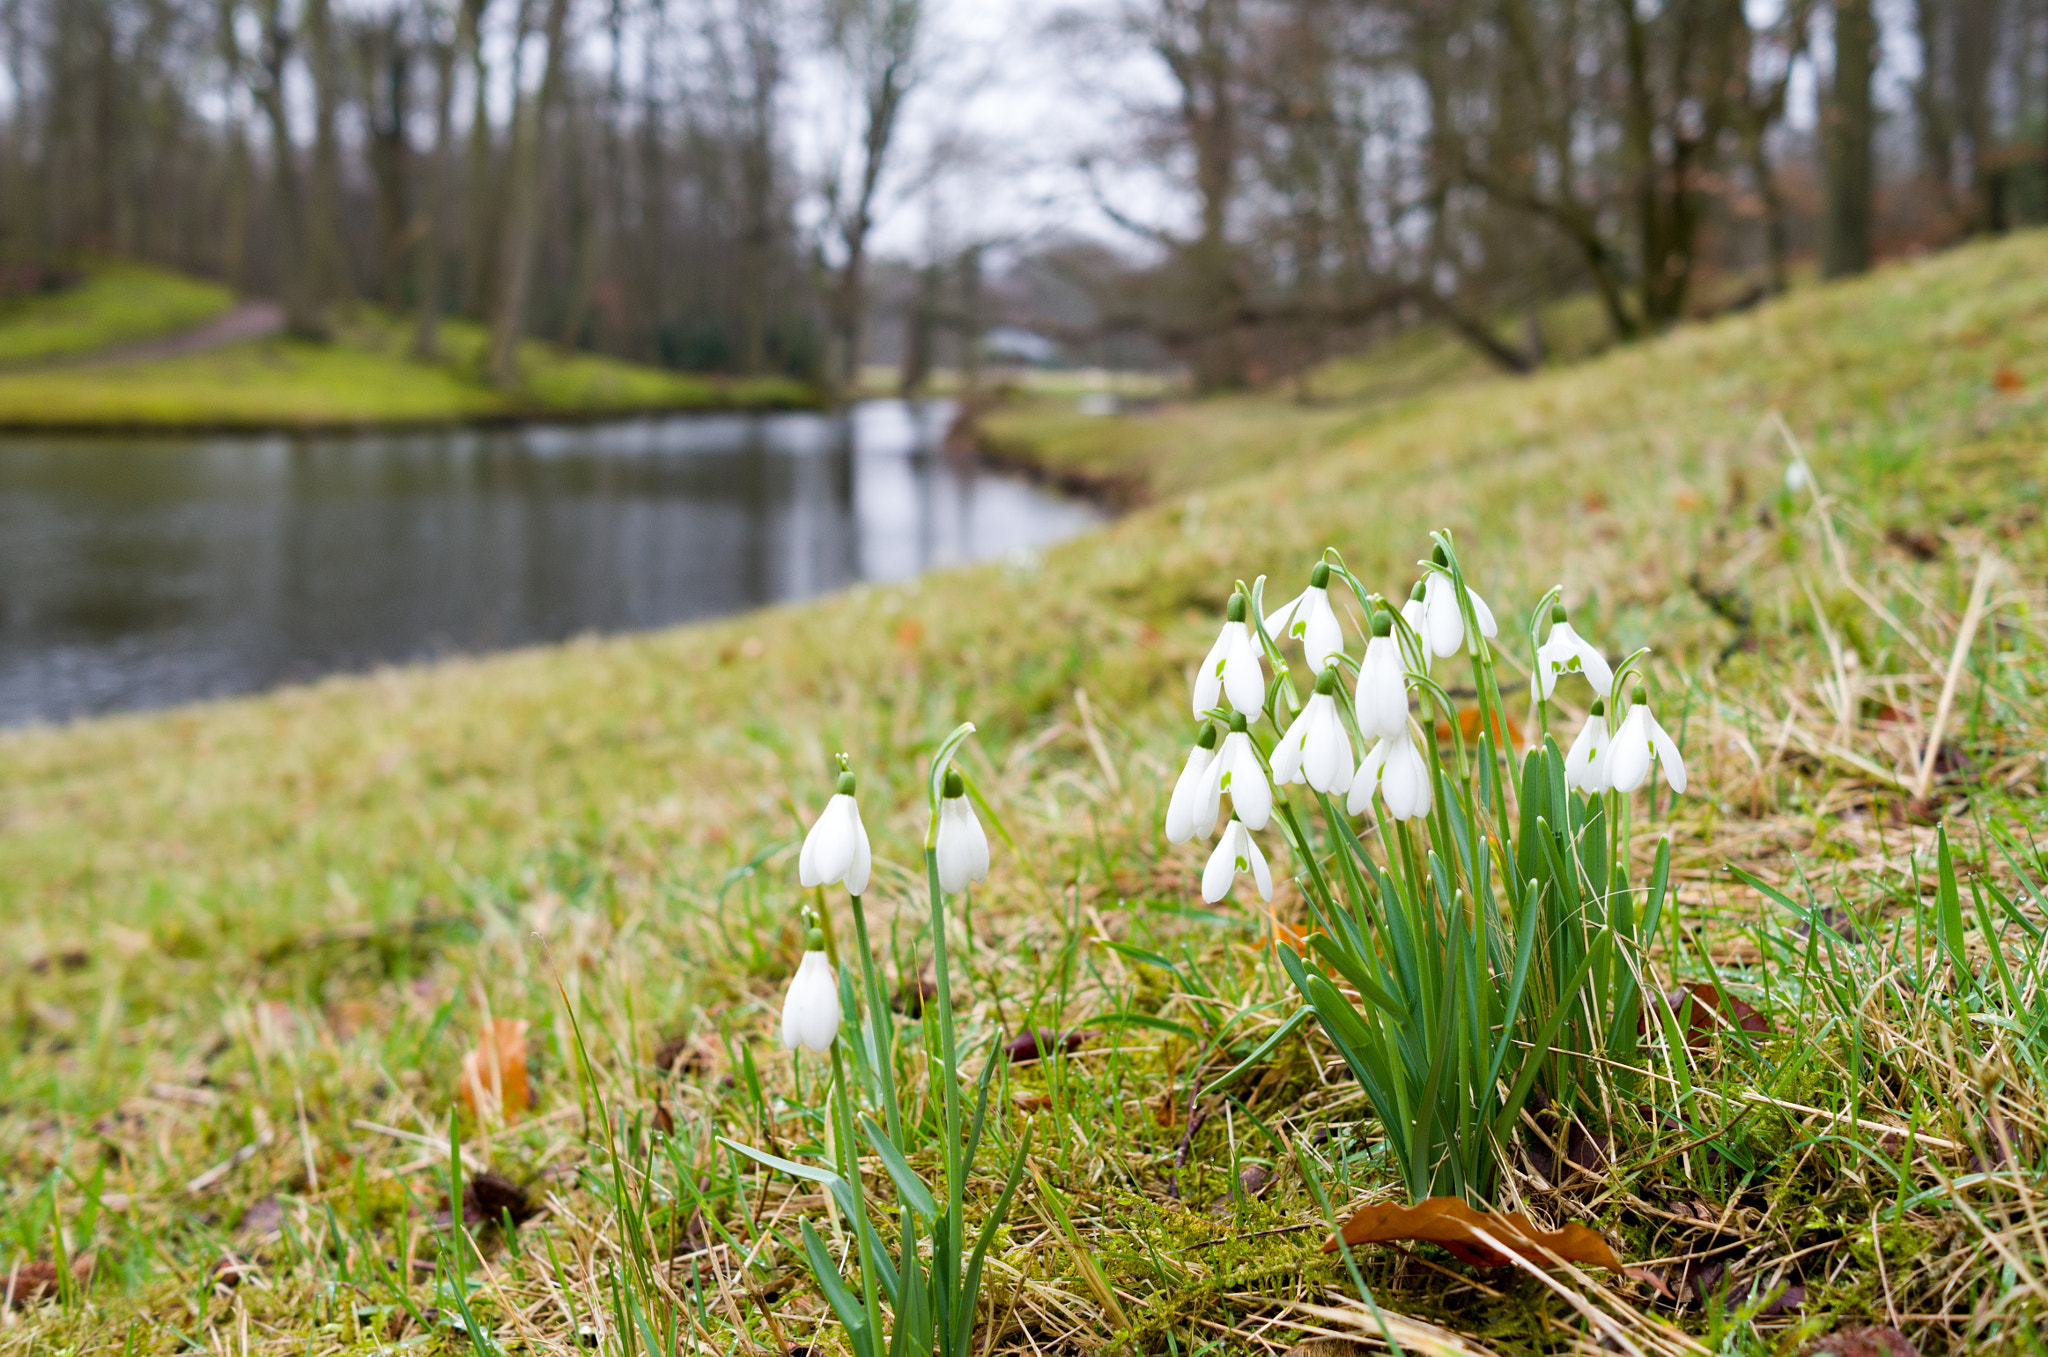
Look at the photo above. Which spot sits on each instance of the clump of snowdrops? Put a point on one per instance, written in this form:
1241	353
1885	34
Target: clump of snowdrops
1476	934
930	1292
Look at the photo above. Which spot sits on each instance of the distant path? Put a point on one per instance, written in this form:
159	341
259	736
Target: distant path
249	320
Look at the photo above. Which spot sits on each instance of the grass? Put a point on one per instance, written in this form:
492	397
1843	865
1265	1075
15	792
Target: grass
251	942
1163	445
118	302
365	377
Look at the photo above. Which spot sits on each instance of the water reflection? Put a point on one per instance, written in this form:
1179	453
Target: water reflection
140	572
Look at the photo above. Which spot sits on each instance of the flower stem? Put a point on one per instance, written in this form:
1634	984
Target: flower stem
881	1028
943	1002
849	1169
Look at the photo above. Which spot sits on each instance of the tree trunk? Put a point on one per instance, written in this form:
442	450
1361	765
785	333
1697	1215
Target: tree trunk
1847	124
303	313
327	261
430	262
522	218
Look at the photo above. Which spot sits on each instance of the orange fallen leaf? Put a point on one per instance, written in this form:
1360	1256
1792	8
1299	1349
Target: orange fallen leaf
494	1073
1459	1229
1469	725
1287	935
2007	380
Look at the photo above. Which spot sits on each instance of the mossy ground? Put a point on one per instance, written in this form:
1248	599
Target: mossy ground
365	376
117	302
251	941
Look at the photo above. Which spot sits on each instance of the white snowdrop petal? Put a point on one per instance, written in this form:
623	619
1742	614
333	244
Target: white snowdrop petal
810	1011
1244	683
1446	625
951	848
1222	866
1668	756
1628	755
863	863
1250	795
1187	795
1367	778
1584	761
1323	638
1209	677
1288	754
1281	620
1260	873
1482	613
1594	666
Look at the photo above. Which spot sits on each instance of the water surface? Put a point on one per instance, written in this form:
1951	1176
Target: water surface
139	572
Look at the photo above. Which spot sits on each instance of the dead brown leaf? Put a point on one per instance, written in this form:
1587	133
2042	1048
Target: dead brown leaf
1864	1340
1704	1008
27	1283
494	1073
1476	1237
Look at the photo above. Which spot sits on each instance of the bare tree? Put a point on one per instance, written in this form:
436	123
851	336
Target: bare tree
1848	127
522	218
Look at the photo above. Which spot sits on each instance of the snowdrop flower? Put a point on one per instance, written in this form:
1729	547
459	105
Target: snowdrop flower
1797	477
1235	852
1381	702
962	847
1413	613
1566	652
1188	791
1316	748
1443	624
1639	740
1311	618
836	849
1585	768
1236	769
810	1011
1232	667
1397	767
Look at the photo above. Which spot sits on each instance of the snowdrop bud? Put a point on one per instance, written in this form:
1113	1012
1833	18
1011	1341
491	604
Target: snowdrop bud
1797	477
1566	652
836	849
1235	852
810	1011
1231	668
1637	742
1236	769
1585	767
1381	701
1181	824
1317	749
962	847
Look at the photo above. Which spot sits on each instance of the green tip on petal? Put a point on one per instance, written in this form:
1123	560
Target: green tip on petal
1415	594
1205	738
1383	623
955	785
1326	682
814	940
1642	697
1440	556
1238	724
846	784
1234	610
1558	614
1599	707
1320	576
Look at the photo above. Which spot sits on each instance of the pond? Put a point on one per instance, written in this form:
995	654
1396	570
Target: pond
140	572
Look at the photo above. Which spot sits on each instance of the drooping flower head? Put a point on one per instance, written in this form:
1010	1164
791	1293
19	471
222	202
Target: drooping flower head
1443	622
1181	824
1316	748
1639	741
836	849
810	1010
1309	618
1563	652
1231	669
1585	767
1381	702
1396	767
962	846
1237	851
1237	769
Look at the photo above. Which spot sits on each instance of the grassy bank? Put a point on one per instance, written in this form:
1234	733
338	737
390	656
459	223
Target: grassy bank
252	941
116	303
366	376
